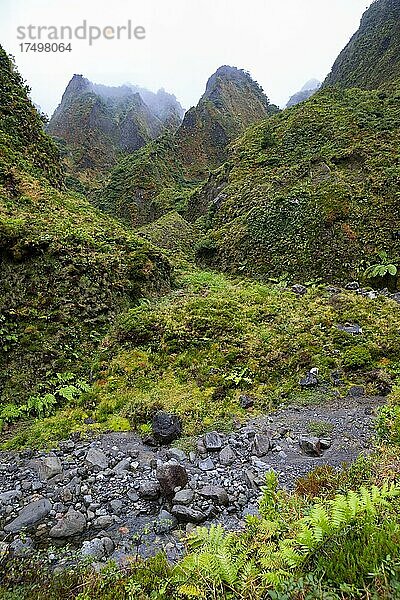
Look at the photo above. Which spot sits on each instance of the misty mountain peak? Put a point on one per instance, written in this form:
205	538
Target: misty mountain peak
309	89
77	85
311	84
228	76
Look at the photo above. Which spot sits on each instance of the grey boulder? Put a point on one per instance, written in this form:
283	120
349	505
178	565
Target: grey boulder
29	516
97	458
261	444
216	493
70	524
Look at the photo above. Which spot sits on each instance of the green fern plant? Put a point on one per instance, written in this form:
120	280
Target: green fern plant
9	413
243	566
384	269
211	565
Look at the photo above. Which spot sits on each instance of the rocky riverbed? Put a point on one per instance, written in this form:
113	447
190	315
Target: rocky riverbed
116	495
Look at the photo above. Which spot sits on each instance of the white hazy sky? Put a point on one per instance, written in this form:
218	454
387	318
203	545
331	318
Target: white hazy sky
283	43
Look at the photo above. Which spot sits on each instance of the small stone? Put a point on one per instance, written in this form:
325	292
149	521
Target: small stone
299	290
310	446
94	549
66	495
108	545
184	497
216	493
350	328
227	456
177	454
150	490
246	402
184	514
206	465
103	521
396	297
97	458
49	467
212	441
122	466
310	380
353	285
356	391
261	444
133	496
116	506
72	523
325	443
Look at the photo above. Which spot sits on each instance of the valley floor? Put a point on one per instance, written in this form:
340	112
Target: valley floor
110	490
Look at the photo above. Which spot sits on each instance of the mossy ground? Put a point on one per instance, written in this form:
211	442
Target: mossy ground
196	350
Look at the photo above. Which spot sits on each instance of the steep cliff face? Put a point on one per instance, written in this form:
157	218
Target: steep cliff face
65	269
232	101
372	57
312	192
94	123
161	176
21	129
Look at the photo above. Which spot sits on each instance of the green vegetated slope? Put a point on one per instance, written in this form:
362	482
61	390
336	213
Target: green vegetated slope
94	124
312	192
162	175
173	234
66	269
197	350
372	57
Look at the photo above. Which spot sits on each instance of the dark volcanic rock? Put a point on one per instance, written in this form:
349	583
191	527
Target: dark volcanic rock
310	446
261	444
246	401
185	514
299	290
351	328
166	427
310	380
171	476
356	391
